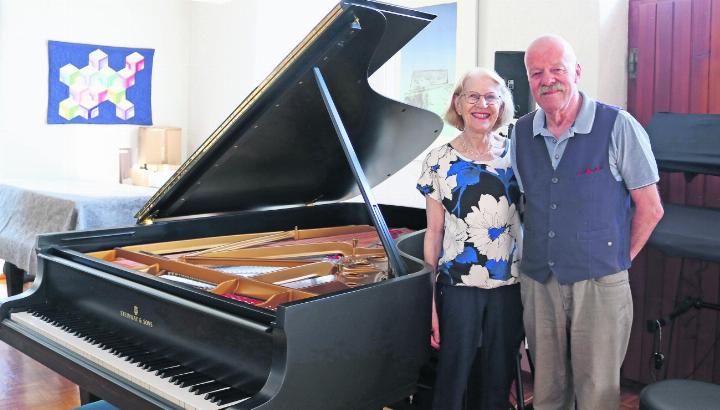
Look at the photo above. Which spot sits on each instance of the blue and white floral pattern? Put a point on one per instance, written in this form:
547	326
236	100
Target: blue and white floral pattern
483	237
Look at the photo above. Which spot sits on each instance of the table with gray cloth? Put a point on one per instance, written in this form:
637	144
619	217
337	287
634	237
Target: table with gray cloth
32	207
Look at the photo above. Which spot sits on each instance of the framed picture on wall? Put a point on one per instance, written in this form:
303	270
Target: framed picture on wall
95	84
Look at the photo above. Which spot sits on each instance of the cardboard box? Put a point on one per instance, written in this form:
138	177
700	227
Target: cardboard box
160	145
155	175
139	176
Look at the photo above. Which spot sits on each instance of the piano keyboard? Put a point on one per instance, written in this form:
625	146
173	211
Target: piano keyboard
130	360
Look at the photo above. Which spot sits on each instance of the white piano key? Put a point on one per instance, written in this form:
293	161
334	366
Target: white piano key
117	365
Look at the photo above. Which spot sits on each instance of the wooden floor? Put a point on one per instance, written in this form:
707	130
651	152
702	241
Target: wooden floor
27	385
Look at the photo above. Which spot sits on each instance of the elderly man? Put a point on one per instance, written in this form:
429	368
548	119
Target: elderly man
579	163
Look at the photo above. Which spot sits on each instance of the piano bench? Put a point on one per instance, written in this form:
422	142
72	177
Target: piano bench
680	394
97	405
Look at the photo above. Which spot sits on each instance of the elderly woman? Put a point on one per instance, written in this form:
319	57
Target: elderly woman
473	242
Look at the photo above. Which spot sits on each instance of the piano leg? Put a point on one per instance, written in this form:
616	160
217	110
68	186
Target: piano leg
13	278
87	397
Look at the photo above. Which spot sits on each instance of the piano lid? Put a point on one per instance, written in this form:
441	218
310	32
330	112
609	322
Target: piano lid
279	147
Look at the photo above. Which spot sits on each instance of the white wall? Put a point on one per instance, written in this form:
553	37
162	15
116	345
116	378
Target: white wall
234	46
597	29
210	54
29	147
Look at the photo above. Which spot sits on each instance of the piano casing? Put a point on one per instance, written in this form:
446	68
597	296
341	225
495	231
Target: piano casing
274	164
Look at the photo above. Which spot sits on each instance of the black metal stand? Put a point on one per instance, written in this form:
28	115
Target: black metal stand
654	326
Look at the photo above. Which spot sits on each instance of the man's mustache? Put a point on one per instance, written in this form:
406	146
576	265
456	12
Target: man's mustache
548	88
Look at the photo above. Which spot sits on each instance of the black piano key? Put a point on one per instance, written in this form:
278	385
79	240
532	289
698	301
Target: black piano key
174	371
147	358
145	361
72	325
139	357
108	340
92	333
208	387
59	320
128	355
142	357
162	363
226	396
38	310
190	379
73	322
131	350
118	345
174	379
81	331
55	321
124	351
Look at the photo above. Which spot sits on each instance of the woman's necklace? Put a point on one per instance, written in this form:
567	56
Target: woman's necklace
470	149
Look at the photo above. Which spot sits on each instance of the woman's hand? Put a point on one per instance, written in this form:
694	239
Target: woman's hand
435	323
431	251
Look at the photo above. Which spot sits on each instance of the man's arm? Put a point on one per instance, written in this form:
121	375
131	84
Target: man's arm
648	212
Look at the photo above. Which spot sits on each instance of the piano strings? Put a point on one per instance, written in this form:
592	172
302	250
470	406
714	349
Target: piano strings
264	269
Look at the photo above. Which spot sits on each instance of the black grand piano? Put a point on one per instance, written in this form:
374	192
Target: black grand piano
331	311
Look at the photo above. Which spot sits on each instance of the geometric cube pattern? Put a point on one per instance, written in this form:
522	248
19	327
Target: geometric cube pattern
97	82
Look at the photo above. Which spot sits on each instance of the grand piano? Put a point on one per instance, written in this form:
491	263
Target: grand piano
249	282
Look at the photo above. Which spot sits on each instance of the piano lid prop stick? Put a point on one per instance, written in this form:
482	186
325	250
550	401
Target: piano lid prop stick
395	262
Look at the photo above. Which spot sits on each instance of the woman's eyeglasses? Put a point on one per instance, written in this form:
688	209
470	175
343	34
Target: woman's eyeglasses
474	98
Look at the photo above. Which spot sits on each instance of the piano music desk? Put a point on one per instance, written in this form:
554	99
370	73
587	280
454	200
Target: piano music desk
32	207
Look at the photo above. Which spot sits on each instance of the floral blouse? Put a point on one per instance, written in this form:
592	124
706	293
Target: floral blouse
483	237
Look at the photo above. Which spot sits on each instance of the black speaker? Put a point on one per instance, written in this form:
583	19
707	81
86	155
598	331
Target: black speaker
511	67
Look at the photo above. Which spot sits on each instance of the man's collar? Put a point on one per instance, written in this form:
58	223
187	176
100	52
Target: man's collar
583	122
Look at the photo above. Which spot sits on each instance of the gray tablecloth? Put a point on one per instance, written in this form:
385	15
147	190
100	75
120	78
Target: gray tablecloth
29	208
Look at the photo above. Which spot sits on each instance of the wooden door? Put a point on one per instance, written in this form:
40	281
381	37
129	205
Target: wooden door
678	70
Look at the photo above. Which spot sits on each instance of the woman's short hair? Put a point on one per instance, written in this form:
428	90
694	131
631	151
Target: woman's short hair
507	107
